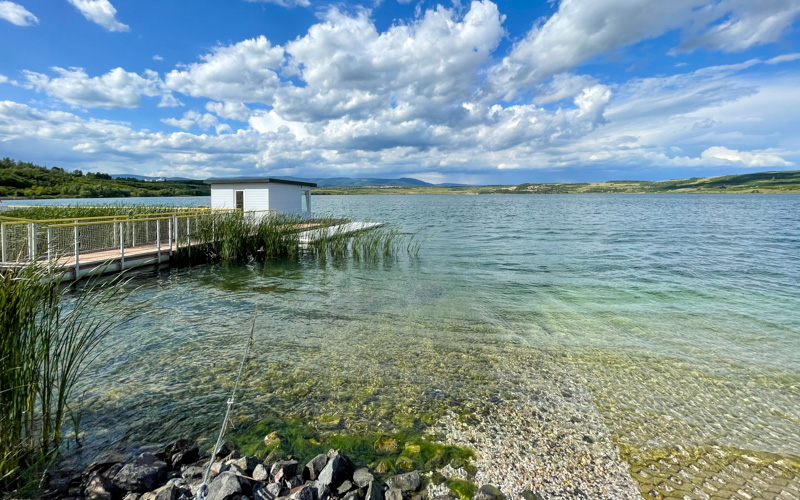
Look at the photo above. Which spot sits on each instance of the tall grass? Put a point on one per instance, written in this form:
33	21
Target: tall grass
51	212
49	335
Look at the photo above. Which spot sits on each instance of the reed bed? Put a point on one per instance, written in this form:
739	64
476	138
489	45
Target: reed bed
50	334
51	212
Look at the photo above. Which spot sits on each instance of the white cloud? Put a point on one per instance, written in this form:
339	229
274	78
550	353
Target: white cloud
746	158
116	89
169	101
562	86
3	78
17	14
241	72
157	58
203	121
100	12
583	29
285	3
229	110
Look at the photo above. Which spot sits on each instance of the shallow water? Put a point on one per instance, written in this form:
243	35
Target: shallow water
679	313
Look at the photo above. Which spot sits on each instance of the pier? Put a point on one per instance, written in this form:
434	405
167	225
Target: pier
111	244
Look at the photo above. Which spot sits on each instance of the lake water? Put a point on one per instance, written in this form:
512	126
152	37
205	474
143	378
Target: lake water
679	314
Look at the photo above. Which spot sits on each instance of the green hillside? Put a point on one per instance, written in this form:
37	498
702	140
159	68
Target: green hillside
22	179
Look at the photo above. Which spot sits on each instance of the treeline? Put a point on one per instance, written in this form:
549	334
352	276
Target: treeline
27	180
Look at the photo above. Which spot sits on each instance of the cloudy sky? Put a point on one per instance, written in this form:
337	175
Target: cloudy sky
458	91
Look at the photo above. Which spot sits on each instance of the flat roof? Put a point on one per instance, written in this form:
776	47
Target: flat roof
259	180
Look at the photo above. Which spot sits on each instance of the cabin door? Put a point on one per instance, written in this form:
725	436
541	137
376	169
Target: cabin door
239	200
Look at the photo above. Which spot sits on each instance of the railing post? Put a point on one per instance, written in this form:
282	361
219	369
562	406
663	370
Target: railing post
77	253
133	233
169	235
50	246
122	245
32	241
188	236
177	232
158	239
2	242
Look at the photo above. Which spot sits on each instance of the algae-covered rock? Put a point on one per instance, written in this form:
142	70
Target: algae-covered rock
384	467
386	445
489	492
404	463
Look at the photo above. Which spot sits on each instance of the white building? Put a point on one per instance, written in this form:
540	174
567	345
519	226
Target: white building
283	196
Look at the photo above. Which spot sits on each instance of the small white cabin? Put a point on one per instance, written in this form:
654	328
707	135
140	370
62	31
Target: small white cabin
283	196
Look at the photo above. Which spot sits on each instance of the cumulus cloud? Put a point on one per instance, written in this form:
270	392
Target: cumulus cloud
746	158
157	58
17	14
3	78
116	89
229	110
242	72
100	12
203	121
583	29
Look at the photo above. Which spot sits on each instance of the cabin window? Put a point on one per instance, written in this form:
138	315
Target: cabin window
239	199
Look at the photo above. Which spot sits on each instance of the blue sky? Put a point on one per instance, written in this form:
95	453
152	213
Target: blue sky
475	92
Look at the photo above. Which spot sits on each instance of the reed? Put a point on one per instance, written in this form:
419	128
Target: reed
50	212
50	334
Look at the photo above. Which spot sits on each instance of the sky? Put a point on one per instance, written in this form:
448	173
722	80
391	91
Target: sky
475	92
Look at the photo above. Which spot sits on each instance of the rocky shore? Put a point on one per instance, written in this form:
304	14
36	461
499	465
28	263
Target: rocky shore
176	472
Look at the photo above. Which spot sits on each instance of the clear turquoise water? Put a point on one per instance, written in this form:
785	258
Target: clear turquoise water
680	313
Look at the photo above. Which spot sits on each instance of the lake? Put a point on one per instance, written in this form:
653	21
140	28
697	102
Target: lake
667	324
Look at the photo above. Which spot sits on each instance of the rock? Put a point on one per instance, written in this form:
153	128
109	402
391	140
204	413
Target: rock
410	481
303	492
181	452
336	471
404	463
190	472
530	495
260	492
245	464
344	487
488	492
283	469
375	491
100	488
588	439
384	467
144	474
353	495
447	496
293	482
166	492
393	494
224	487
323	490
362	477
218	468
260	473
314	467
386	445
271	438
226	449
132	496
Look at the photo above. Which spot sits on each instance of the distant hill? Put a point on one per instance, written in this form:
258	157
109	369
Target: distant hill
359	181
148	178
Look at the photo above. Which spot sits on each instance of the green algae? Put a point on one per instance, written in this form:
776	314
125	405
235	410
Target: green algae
462	488
296	438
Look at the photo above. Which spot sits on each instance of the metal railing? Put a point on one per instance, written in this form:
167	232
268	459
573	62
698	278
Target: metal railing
71	242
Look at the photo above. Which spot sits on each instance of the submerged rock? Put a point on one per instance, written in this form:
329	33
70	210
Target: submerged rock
489	492
144	474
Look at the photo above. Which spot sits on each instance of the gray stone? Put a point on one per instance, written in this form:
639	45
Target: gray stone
246	464
266	492
393	494
304	492
283	469
344	487
100	487
166	492
277	489
293	482
530	495
224	487
226	449
190	472
353	495
323	490
446	496
144	474
362	477
179	453
314	467
260	473
410	481
374	491
336	471
488	492
132	496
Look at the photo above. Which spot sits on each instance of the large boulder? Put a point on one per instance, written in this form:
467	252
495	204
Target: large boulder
410	481
99	487
226	486
166	492
145	473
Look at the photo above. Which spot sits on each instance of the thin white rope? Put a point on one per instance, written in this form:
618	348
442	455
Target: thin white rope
203	490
